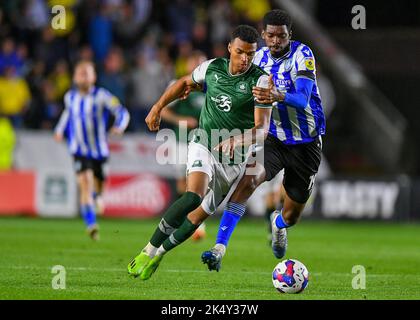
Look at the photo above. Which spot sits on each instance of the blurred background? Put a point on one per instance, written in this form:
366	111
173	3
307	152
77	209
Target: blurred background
368	81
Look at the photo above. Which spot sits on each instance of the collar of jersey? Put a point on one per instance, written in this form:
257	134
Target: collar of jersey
239	74
283	56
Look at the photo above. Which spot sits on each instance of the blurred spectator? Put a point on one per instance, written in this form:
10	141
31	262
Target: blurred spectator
7	144
147	82
112	77
50	49
36	113
52	106
184	51
9	56
252	10
60	79
200	39
35	14
14	96
100	33
132	16
219	50
220	16
180	15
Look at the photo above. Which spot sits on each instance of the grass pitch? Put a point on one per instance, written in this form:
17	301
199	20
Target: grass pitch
29	248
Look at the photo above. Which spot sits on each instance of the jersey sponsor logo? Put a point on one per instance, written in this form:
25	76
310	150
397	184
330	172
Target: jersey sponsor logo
197	163
216	76
309	63
223	102
283	84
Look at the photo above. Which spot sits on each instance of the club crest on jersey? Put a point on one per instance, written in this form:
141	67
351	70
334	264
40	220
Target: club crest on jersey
223	102
242	87
287	64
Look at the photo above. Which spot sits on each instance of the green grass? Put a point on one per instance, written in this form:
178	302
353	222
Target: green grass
29	248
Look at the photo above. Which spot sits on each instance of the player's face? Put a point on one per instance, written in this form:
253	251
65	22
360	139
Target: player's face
84	76
276	38
241	55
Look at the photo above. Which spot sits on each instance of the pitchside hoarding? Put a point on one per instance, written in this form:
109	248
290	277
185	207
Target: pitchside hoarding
44	183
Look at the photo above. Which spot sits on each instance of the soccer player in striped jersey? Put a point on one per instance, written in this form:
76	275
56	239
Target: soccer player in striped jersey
294	140
84	124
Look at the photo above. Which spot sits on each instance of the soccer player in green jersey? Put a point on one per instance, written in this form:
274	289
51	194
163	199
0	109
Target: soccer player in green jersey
183	116
213	166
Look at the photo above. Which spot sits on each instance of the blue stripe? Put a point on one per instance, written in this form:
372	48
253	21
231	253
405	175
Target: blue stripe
284	116
72	131
264	59
83	119
95	123
303	123
273	128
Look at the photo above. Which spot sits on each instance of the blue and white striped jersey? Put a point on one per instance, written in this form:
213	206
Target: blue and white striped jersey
289	124
85	118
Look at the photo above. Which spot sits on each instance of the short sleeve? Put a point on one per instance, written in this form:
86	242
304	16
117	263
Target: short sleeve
199	73
305	63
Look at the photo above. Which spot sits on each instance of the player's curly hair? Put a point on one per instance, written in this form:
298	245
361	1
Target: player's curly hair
277	18
245	33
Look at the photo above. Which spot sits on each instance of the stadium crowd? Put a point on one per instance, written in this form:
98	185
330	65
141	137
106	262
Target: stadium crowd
138	47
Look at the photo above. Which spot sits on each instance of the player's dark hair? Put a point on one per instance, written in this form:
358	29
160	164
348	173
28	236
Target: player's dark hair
245	33
277	18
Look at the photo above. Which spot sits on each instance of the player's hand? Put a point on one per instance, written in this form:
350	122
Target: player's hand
267	95
188	90
186	93
153	119
58	137
228	146
115	131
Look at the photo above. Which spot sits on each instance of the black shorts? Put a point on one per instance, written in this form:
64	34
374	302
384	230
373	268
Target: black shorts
300	163
97	166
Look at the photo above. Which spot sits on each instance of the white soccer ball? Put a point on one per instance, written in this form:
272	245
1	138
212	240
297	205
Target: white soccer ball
290	276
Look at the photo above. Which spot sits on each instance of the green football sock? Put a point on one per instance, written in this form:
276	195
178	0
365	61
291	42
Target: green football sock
179	236
174	217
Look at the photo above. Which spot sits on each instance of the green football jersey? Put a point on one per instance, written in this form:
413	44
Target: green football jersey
229	103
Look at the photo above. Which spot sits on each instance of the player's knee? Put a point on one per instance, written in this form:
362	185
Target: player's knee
249	184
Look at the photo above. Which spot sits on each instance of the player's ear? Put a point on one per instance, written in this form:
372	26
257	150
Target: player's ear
290	34
229	47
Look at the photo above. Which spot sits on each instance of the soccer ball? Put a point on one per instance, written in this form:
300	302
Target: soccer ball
290	276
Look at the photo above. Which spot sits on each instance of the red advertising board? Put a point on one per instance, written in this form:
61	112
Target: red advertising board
136	195
17	192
